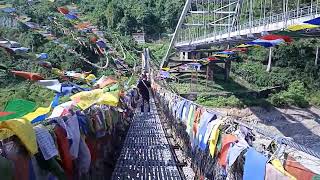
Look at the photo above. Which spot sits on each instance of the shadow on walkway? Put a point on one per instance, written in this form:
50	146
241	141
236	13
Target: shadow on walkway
146	152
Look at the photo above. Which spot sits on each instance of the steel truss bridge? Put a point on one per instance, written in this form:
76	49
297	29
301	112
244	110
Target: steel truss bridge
207	23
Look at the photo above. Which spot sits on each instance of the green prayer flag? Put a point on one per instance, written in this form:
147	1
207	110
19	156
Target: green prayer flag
114	87
316	177
219	143
111	88
19	107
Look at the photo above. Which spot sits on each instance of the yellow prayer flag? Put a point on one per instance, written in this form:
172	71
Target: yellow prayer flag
166	68
86	99
190	118
221	55
299	27
277	164
204	62
23	129
109	98
2	6
38	112
57	71
214	136
90	78
243	46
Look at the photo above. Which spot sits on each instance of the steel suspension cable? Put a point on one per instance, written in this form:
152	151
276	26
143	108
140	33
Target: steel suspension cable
317	5
214	19
284	11
311	6
229	19
250	16
80	56
298	7
261	12
204	20
271	11
281	140
208	19
264	15
220	27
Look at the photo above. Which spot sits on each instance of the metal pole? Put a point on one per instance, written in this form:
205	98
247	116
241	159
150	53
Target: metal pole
204	21
193	29
284	13
220	27
181	19
229	20
287	12
264	14
271	11
317	6
198	21
250	16
317	56
197	84
298	7
270	60
214	27
192	72
311	6
207	76
240	6
261	12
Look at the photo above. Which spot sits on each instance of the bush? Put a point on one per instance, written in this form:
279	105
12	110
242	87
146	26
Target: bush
26	90
314	98
295	95
220	101
258	54
255	73
289	63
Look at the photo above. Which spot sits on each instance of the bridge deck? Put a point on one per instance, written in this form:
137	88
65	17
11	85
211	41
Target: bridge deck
146	153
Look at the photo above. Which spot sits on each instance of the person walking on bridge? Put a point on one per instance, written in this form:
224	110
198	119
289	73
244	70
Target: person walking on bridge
143	86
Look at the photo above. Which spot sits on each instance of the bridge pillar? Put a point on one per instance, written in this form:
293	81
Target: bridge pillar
198	55
181	55
186	55
270	60
227	67
207	75
317	56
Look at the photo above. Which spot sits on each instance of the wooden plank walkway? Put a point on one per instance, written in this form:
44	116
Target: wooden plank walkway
146	152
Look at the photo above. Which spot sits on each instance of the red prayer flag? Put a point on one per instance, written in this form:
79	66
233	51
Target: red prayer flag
5	113
212	58
297	170
28	75
63	10
275	37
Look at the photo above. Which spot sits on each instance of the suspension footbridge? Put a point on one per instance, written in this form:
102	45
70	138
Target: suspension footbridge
204	24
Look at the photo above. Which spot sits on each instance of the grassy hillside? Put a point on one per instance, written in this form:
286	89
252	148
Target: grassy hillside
293	65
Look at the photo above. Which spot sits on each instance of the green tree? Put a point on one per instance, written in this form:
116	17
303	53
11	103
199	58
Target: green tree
127	25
